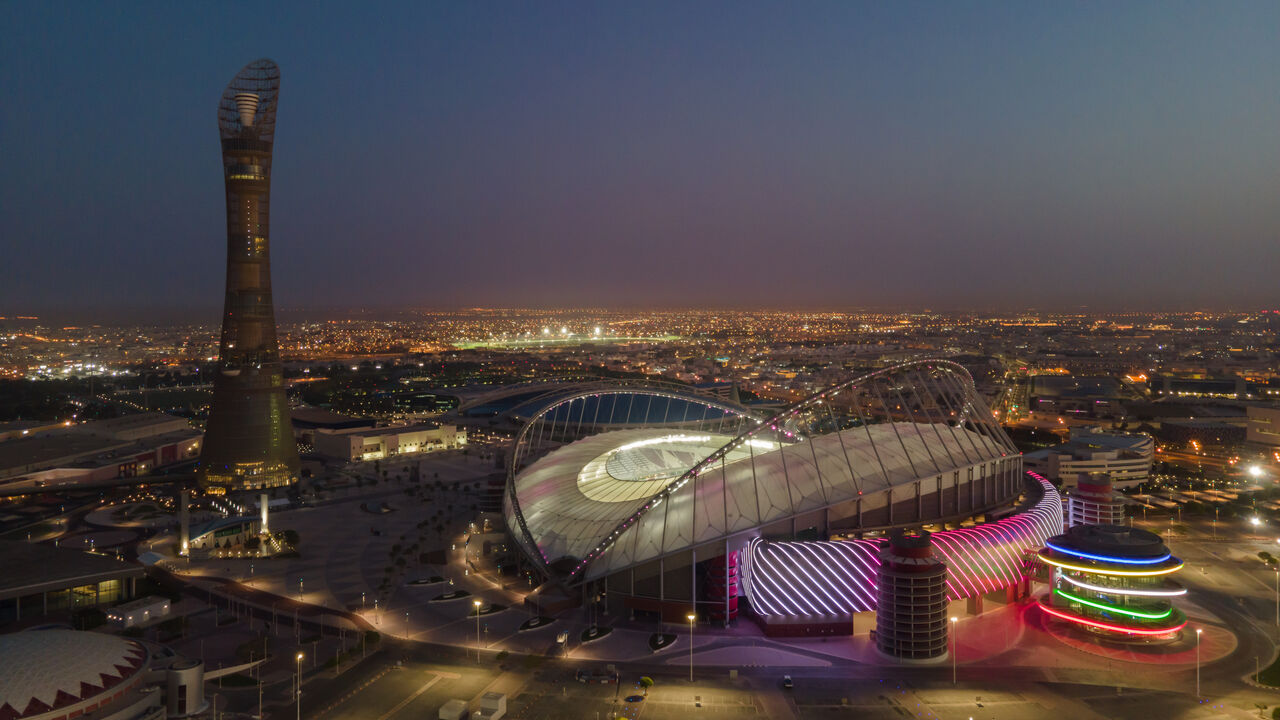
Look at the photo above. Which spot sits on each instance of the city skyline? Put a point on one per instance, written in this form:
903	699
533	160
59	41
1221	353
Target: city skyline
748	359
727	155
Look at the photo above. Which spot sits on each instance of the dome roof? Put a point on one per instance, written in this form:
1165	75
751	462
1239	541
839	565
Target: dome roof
614	499
53	669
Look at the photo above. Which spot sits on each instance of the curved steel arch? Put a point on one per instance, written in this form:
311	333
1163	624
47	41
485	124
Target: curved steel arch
618	388
780	420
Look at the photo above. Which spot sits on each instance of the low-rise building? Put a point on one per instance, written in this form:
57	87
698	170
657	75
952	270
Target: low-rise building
1125	458
39	580
385	442
97	452
1263	426
138	612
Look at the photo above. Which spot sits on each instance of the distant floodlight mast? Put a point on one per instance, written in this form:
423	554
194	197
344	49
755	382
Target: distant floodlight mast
248	442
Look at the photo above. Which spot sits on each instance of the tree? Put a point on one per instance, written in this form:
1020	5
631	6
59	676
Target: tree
646	682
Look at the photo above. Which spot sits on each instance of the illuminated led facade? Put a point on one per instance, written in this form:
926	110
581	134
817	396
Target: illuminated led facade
834	579
248	442
1113	581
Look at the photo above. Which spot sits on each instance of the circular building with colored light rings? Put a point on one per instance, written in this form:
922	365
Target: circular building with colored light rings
656	499
1115	582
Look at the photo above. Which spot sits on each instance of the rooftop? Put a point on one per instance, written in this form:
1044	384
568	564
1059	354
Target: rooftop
27	566
47	669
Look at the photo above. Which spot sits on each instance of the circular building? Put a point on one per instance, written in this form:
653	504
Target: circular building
51	674
660	499
1114	581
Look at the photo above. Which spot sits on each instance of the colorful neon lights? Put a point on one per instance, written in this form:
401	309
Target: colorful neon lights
1109	626
1108	571
838	577
1123	591
1112	608
1104	558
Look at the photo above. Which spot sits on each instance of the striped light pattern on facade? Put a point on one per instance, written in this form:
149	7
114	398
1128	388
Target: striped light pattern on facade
1171	592
1109	626
835	578
1114	608
1125	573
1104	558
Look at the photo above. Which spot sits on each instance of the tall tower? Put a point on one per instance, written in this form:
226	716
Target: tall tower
248	444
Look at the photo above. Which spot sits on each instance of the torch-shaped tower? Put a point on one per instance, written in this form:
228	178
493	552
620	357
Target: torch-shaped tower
248	444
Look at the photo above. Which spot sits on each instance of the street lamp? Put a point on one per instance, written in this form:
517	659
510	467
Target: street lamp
954	646
691	617
299	589
297	681
477	604
1198	630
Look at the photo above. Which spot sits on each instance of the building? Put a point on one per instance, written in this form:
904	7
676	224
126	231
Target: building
63	674
307	421
363	443
644	496
1113	581
222	534
1263	426
1126	458
100	452
57	674
1093	502
139	612
911	600
248	440
41	580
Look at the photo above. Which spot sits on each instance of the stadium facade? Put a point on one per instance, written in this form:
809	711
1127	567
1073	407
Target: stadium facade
248	444
657	499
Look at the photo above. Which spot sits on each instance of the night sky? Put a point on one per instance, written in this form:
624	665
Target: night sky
945	155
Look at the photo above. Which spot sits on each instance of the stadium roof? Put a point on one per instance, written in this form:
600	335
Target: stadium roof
614	499
49	669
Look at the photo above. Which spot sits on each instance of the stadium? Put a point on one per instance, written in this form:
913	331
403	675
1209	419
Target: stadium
655	500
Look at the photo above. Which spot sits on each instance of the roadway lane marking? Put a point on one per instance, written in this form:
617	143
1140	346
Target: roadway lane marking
411	698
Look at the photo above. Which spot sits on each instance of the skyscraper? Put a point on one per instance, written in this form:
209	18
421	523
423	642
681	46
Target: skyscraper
248	443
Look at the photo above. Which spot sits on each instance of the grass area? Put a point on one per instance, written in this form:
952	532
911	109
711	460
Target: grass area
1270	675
657	641
486	610
237	680
535	622
40	529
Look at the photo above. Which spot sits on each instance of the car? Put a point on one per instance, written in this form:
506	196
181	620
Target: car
787	683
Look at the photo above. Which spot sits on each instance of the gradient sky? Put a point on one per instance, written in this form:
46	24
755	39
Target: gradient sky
624	154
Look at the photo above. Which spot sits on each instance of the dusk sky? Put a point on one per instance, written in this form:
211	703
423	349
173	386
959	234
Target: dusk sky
630	154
